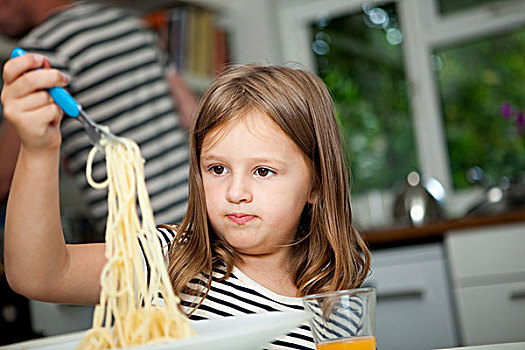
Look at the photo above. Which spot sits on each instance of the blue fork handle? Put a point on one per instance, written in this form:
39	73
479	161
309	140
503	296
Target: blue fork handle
59	94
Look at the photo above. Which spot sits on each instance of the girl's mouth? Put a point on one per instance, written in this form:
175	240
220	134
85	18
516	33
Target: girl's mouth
240	218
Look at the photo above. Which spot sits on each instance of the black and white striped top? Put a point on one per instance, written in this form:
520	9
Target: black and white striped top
240	295
117	73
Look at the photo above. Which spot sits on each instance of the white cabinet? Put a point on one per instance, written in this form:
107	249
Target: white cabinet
53	319
488	274
492	313
414	309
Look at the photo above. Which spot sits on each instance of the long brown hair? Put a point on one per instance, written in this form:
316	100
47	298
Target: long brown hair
328	254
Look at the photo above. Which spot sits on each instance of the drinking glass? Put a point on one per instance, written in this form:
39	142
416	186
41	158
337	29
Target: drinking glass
343	320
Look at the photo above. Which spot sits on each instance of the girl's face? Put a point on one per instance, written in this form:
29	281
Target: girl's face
256	182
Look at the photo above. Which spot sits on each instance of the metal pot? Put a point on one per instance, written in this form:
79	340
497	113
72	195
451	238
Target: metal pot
420	200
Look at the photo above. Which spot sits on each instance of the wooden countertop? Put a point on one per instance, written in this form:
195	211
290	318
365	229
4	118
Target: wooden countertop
405	234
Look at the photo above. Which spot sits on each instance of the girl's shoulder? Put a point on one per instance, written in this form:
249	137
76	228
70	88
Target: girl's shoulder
167	233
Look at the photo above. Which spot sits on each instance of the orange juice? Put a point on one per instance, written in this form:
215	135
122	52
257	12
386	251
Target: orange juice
356	343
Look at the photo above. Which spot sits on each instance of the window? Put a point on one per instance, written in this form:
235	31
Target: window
359	57
450	93
450	6
481	90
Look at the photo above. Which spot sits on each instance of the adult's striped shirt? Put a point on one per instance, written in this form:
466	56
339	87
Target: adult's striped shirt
117	74
239	295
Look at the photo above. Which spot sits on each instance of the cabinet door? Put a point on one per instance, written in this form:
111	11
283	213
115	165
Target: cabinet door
485	255
53	319
492	313
414	310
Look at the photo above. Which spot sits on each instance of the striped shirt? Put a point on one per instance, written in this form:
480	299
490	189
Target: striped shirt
239	295
116	73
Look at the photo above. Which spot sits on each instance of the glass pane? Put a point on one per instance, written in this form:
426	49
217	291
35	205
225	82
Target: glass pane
359	56
448	6
481	86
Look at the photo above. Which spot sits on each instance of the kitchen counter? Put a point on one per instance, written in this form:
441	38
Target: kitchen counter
405	234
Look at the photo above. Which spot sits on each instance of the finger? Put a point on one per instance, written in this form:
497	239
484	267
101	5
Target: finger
35	100
37	80
43	116
43	110
16	67
17	108
53	112
46	63
39	129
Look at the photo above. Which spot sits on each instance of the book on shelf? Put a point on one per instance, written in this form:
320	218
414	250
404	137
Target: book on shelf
197	45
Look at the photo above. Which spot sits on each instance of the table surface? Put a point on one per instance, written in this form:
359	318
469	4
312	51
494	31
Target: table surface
506	346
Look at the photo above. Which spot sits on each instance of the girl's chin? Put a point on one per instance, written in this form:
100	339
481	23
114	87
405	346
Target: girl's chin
246	247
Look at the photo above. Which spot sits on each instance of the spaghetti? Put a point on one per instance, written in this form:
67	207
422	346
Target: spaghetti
130	311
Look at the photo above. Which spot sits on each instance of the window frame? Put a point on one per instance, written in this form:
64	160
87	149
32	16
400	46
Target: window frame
424	29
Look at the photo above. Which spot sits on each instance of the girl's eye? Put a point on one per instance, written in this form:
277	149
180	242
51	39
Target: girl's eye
264	172
218	170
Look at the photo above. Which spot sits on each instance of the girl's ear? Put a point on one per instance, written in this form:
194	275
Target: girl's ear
312	197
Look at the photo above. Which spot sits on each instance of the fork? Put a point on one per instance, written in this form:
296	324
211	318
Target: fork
69	105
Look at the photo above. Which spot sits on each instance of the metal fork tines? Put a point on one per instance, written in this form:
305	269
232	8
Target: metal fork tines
96	132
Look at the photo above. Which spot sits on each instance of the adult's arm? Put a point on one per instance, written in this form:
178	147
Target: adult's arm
186	100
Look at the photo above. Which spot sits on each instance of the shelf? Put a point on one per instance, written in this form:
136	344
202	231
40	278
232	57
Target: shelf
197	83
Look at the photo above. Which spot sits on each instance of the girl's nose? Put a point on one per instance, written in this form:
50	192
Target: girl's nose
239	190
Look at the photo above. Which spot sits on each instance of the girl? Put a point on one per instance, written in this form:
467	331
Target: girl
269	216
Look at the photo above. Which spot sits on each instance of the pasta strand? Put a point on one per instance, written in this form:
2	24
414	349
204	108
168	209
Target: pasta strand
129	312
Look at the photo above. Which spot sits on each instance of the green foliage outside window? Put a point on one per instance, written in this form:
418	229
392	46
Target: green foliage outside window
361	63
483	101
